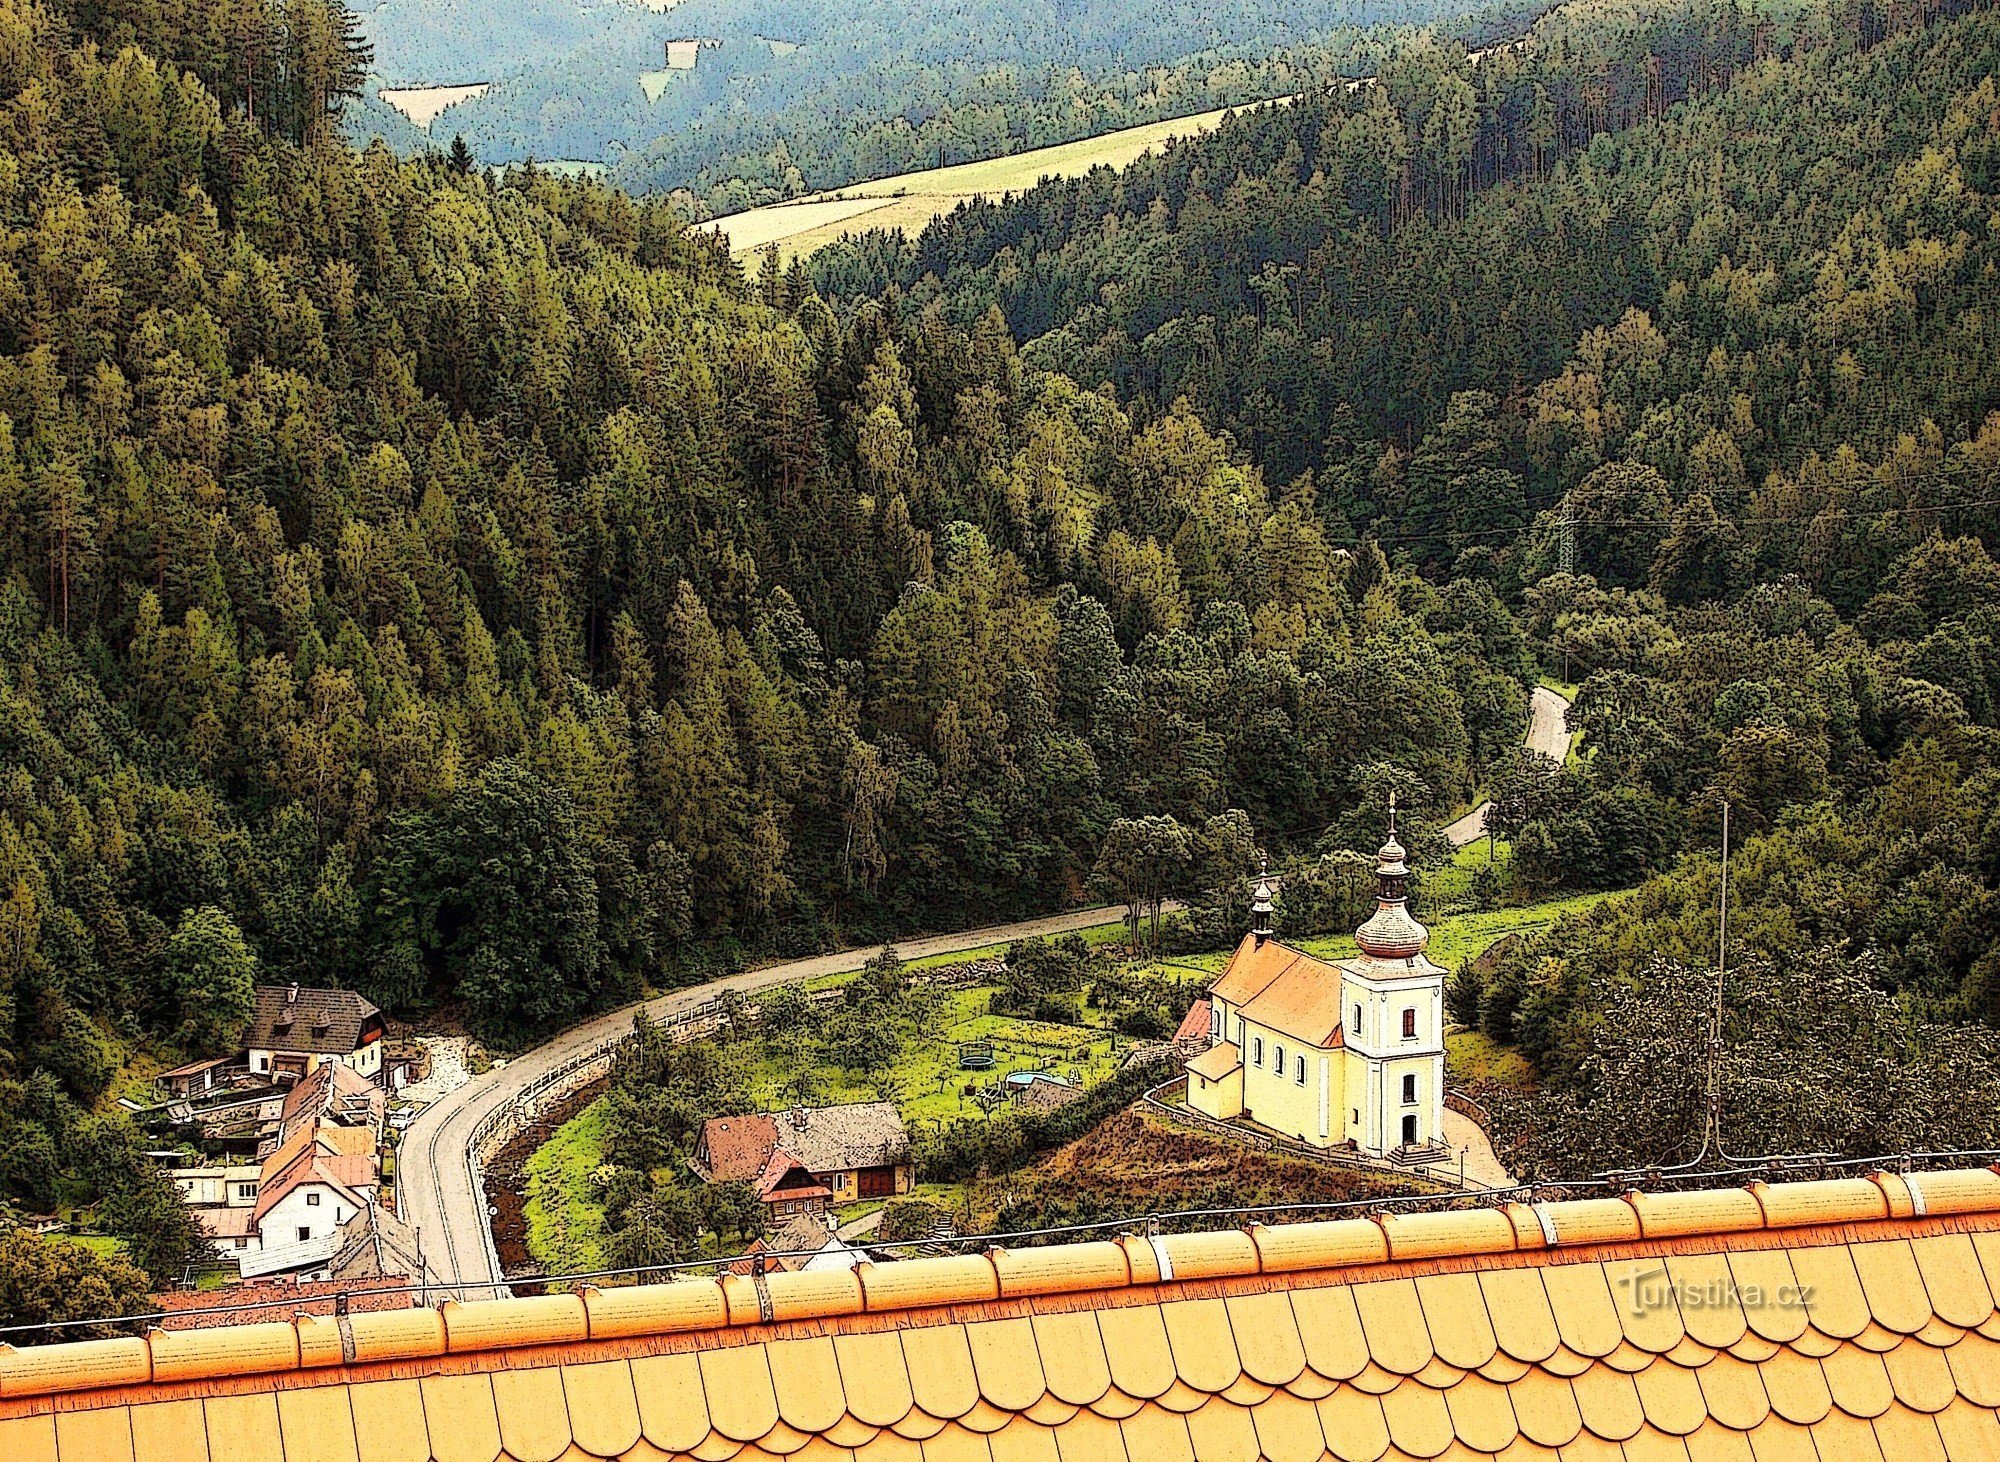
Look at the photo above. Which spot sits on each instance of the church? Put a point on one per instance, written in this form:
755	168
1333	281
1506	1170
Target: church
1335	1053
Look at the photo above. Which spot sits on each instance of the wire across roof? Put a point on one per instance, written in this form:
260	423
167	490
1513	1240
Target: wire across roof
1855	1317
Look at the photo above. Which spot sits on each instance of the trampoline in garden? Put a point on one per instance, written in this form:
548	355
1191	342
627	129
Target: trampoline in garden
975	1056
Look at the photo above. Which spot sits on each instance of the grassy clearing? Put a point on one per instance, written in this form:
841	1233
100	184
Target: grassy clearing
565	1220
1454	881
909	201
1473	1058
1464	937
925	1082
102	1245
1455	938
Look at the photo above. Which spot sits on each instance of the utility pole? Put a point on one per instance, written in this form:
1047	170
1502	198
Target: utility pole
1711	1136
1566	560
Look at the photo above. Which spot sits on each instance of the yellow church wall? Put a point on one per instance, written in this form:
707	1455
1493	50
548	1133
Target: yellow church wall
1353	1113
1280	1101
1222	1100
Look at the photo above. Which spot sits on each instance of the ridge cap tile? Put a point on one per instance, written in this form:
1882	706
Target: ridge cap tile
1320	1244
223	1350
550	1319
1214	1254
926	1283
320	1342
1707	1211
655	1309
1902	1201
813	1294
1819	1201
1591	1221
1958	1190
1061	1269
1448	1234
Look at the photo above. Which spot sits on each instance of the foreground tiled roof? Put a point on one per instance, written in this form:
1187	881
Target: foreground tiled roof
1831	1320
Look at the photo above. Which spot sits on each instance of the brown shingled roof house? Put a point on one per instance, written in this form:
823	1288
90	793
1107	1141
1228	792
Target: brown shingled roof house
1855	1318
294	1031
810	1157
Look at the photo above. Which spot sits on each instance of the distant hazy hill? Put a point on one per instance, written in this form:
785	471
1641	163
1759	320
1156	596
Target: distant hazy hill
788	97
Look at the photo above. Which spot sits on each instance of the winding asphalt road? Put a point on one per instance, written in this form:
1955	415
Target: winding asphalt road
1548	733
434	1189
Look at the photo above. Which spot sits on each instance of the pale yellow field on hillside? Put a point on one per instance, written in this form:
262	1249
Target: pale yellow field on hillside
910	201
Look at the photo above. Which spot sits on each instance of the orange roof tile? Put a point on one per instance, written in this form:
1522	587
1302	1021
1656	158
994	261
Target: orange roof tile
1283	989
1254	965
1217	1061
1303	1002
1687	1331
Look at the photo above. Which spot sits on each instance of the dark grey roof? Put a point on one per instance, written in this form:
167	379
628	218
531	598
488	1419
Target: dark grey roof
836	1139
317	1022
375	1244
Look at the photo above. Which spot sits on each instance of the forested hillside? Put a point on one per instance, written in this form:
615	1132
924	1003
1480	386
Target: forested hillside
475	592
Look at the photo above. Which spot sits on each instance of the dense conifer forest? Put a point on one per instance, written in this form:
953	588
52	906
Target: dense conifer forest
474	590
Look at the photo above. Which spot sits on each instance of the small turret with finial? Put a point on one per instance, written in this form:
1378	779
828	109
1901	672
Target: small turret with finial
1261	900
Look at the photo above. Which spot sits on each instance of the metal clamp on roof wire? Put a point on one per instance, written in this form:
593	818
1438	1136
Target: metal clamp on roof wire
1917	1205
1160	1255
1546	1219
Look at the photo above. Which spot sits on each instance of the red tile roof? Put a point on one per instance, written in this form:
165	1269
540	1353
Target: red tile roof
1196	1024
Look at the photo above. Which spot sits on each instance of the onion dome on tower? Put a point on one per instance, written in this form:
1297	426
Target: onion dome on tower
1391	932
